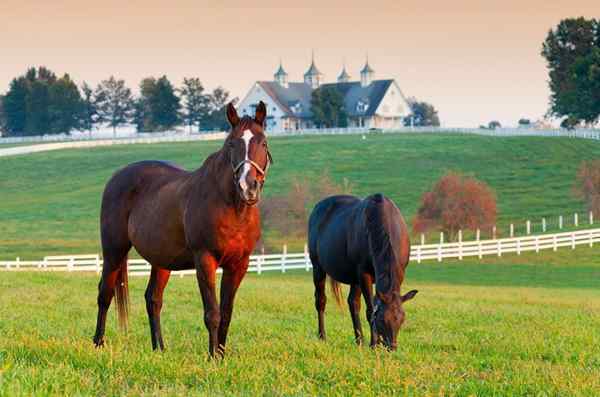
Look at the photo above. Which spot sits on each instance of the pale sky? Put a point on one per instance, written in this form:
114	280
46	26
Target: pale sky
474	60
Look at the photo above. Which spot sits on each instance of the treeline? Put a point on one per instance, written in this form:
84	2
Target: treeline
39	102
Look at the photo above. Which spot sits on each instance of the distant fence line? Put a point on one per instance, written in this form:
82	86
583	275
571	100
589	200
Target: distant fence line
290	261
54	142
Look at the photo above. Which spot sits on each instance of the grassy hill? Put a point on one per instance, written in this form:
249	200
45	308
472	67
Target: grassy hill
49	202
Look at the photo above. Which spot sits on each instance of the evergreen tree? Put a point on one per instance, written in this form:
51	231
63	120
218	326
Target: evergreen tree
327	107
115	103
196	105
157	109
89	114
2	117
66	106
216	116
423	114
15	106
568	50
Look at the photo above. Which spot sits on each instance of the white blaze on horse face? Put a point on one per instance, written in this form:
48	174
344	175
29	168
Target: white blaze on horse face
247	136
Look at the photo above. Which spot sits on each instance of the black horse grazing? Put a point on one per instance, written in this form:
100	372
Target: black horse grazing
177	219
357	242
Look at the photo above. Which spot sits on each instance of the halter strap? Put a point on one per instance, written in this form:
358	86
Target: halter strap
252	163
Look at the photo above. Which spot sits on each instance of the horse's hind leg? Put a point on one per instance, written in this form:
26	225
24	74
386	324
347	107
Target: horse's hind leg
354	305
154	299
106	290
319	277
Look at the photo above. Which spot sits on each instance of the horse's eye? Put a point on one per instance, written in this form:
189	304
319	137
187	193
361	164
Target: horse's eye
264	144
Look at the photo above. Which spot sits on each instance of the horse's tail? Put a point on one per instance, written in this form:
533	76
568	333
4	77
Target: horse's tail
336	291
122	295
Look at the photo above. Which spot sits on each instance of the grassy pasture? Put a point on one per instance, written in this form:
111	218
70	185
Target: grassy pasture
518	325
49	202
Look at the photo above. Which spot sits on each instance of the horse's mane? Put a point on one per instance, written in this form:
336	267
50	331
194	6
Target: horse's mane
379	240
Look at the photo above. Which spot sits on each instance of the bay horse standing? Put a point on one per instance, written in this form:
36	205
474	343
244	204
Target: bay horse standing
177	220
358	242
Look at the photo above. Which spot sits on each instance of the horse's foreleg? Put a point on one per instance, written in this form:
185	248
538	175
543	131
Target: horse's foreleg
354	305
232	277
206	267
319	277
154	299
366	286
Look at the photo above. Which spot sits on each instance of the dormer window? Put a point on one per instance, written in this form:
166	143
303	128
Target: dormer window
362	106
296	108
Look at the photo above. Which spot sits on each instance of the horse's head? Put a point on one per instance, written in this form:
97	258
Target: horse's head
248	152
388	316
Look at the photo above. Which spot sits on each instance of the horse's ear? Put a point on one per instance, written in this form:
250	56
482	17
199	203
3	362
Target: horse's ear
232	115
409	295
261	113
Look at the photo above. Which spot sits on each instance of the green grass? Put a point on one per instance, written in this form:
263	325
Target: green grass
49	202
519	325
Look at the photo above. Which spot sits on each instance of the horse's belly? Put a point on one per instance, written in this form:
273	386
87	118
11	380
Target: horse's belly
159	240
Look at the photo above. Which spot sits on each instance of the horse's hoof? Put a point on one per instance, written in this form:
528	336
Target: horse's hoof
99	343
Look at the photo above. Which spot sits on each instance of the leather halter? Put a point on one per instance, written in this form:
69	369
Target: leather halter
252	163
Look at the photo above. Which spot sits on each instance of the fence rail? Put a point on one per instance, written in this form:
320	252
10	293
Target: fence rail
43	142
290	261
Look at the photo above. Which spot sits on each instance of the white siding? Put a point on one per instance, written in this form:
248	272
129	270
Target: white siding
256	94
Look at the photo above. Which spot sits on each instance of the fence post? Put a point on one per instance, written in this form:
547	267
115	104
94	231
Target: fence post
537	244
544	225
422	239
283	257
460	256
591	218
306	258
499	247
591	239
576	219
528	227
260	260
70	265
494	232
478	235
18	264
440	247
519	246
560	222
554	248
573	240
419	253
512	230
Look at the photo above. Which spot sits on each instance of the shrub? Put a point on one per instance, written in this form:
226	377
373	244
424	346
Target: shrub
587	186
456	202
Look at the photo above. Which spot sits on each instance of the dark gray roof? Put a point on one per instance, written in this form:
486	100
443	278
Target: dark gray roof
352	92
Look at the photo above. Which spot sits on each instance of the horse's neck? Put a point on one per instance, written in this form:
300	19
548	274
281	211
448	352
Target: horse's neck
216	173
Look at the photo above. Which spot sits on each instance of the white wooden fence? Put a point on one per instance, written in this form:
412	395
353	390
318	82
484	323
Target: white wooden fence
290	261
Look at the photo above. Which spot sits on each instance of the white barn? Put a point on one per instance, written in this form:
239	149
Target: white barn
369	103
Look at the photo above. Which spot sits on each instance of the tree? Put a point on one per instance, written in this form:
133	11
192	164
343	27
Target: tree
422	114
492	125
115	103
65	105
89	113
215	118
15	106
565	49
586	82
456	202
157	109
524	122
327	108
196	105
2	117
587	185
